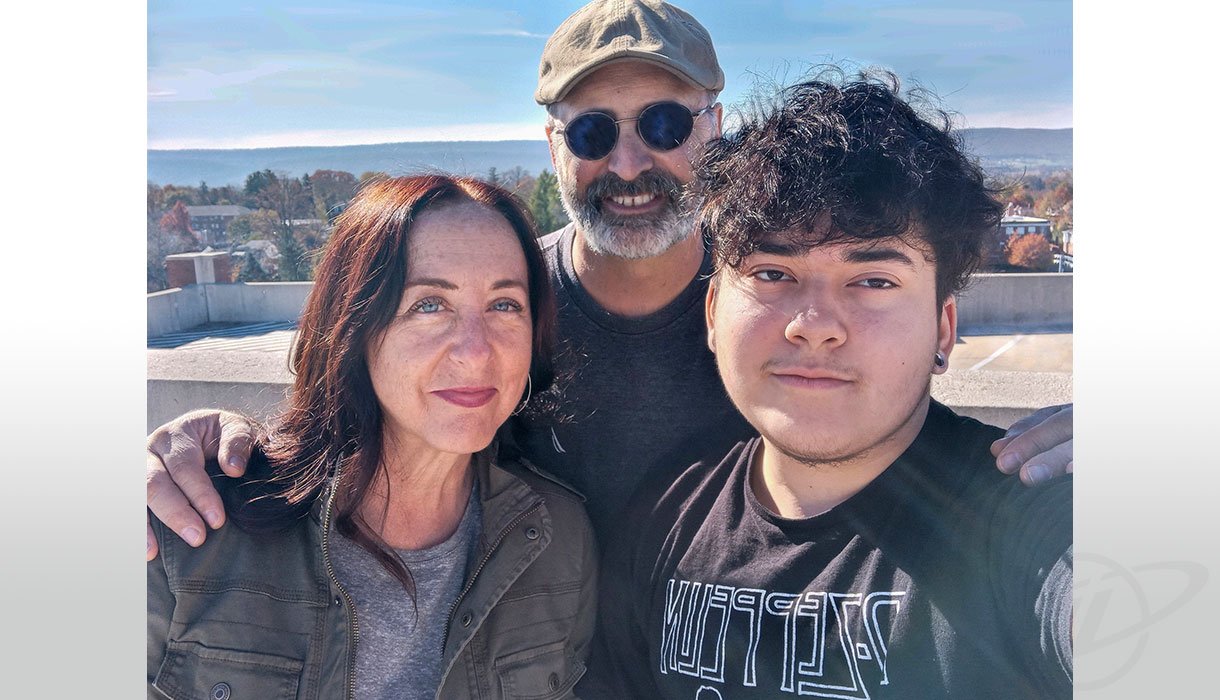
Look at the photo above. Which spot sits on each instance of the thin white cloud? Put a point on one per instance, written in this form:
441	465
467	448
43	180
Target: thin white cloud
368	45
199	84
531	131
221	78
512	32
1043	117
324	11
953	17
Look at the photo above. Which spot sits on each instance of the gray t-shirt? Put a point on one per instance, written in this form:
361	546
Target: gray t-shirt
400	648
632	395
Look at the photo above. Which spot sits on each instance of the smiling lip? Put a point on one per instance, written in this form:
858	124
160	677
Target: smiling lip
638	204
467	397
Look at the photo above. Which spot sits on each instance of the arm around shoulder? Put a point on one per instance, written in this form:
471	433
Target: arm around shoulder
1032	552
180	491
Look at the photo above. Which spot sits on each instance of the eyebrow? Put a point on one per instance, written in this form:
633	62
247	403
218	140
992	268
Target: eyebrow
446	284
869	254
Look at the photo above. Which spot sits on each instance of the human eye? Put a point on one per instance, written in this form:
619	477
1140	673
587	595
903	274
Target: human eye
427	305
507	305
875	283
770	275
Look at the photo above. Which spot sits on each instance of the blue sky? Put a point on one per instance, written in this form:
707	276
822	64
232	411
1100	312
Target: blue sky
226	74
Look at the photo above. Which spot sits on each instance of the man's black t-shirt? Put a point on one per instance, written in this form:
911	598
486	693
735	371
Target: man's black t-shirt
941	578
632	396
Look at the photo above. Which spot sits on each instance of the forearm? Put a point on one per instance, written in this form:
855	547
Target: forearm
1053	609
1032	547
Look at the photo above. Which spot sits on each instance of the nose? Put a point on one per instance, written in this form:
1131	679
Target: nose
630	156
818	323
471	342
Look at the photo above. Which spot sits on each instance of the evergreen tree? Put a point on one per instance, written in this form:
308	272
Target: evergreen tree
257	182
545	205
294	265
251	270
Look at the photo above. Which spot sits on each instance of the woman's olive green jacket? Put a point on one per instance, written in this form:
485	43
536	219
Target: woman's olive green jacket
261	617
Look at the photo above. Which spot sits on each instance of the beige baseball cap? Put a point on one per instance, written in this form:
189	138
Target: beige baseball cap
609	31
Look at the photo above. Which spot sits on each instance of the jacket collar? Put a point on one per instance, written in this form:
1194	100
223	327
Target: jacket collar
502	494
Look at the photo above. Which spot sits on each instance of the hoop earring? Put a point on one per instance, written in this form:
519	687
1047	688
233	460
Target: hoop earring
939	360
529	391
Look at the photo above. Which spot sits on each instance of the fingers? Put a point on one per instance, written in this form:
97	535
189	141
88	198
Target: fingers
179	488
150	552
1024	424
1040	446
169	504
1046	465
237	435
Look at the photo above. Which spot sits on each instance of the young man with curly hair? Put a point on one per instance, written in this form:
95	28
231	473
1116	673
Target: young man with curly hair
864	546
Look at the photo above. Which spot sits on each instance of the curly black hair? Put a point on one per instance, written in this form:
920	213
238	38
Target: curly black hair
858	155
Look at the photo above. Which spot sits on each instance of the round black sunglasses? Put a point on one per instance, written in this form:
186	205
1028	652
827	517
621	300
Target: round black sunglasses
662	127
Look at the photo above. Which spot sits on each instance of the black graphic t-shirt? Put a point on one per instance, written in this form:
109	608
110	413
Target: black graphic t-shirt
941	578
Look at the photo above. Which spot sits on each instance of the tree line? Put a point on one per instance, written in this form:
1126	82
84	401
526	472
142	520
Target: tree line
290	218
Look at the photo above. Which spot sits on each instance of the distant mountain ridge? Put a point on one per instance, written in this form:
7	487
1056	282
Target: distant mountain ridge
1016	150
999	150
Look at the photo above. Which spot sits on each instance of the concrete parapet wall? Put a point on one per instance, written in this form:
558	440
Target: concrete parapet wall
255	383
254	302
993	302
174	310
1001	398
1041	300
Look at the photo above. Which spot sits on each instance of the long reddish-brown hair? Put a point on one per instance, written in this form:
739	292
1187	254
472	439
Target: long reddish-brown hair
332	420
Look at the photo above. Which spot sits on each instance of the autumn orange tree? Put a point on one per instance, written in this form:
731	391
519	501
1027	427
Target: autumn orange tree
1031	251
177	222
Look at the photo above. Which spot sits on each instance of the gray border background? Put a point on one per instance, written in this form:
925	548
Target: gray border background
1146	382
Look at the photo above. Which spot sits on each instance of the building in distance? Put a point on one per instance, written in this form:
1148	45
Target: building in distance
1016	225
211	221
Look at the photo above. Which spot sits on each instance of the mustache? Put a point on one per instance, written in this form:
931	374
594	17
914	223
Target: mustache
648	182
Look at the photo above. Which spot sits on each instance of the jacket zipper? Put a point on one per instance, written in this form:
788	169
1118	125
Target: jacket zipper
353	624
478	569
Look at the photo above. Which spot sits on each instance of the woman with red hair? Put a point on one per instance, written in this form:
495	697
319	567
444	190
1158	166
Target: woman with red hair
385	544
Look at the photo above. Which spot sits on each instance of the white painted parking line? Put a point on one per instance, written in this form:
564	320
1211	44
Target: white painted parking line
1000	351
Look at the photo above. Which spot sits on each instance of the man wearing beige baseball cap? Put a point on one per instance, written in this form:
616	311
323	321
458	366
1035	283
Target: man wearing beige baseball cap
630	90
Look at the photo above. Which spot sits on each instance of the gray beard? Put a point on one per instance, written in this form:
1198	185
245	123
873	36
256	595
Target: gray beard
629	237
